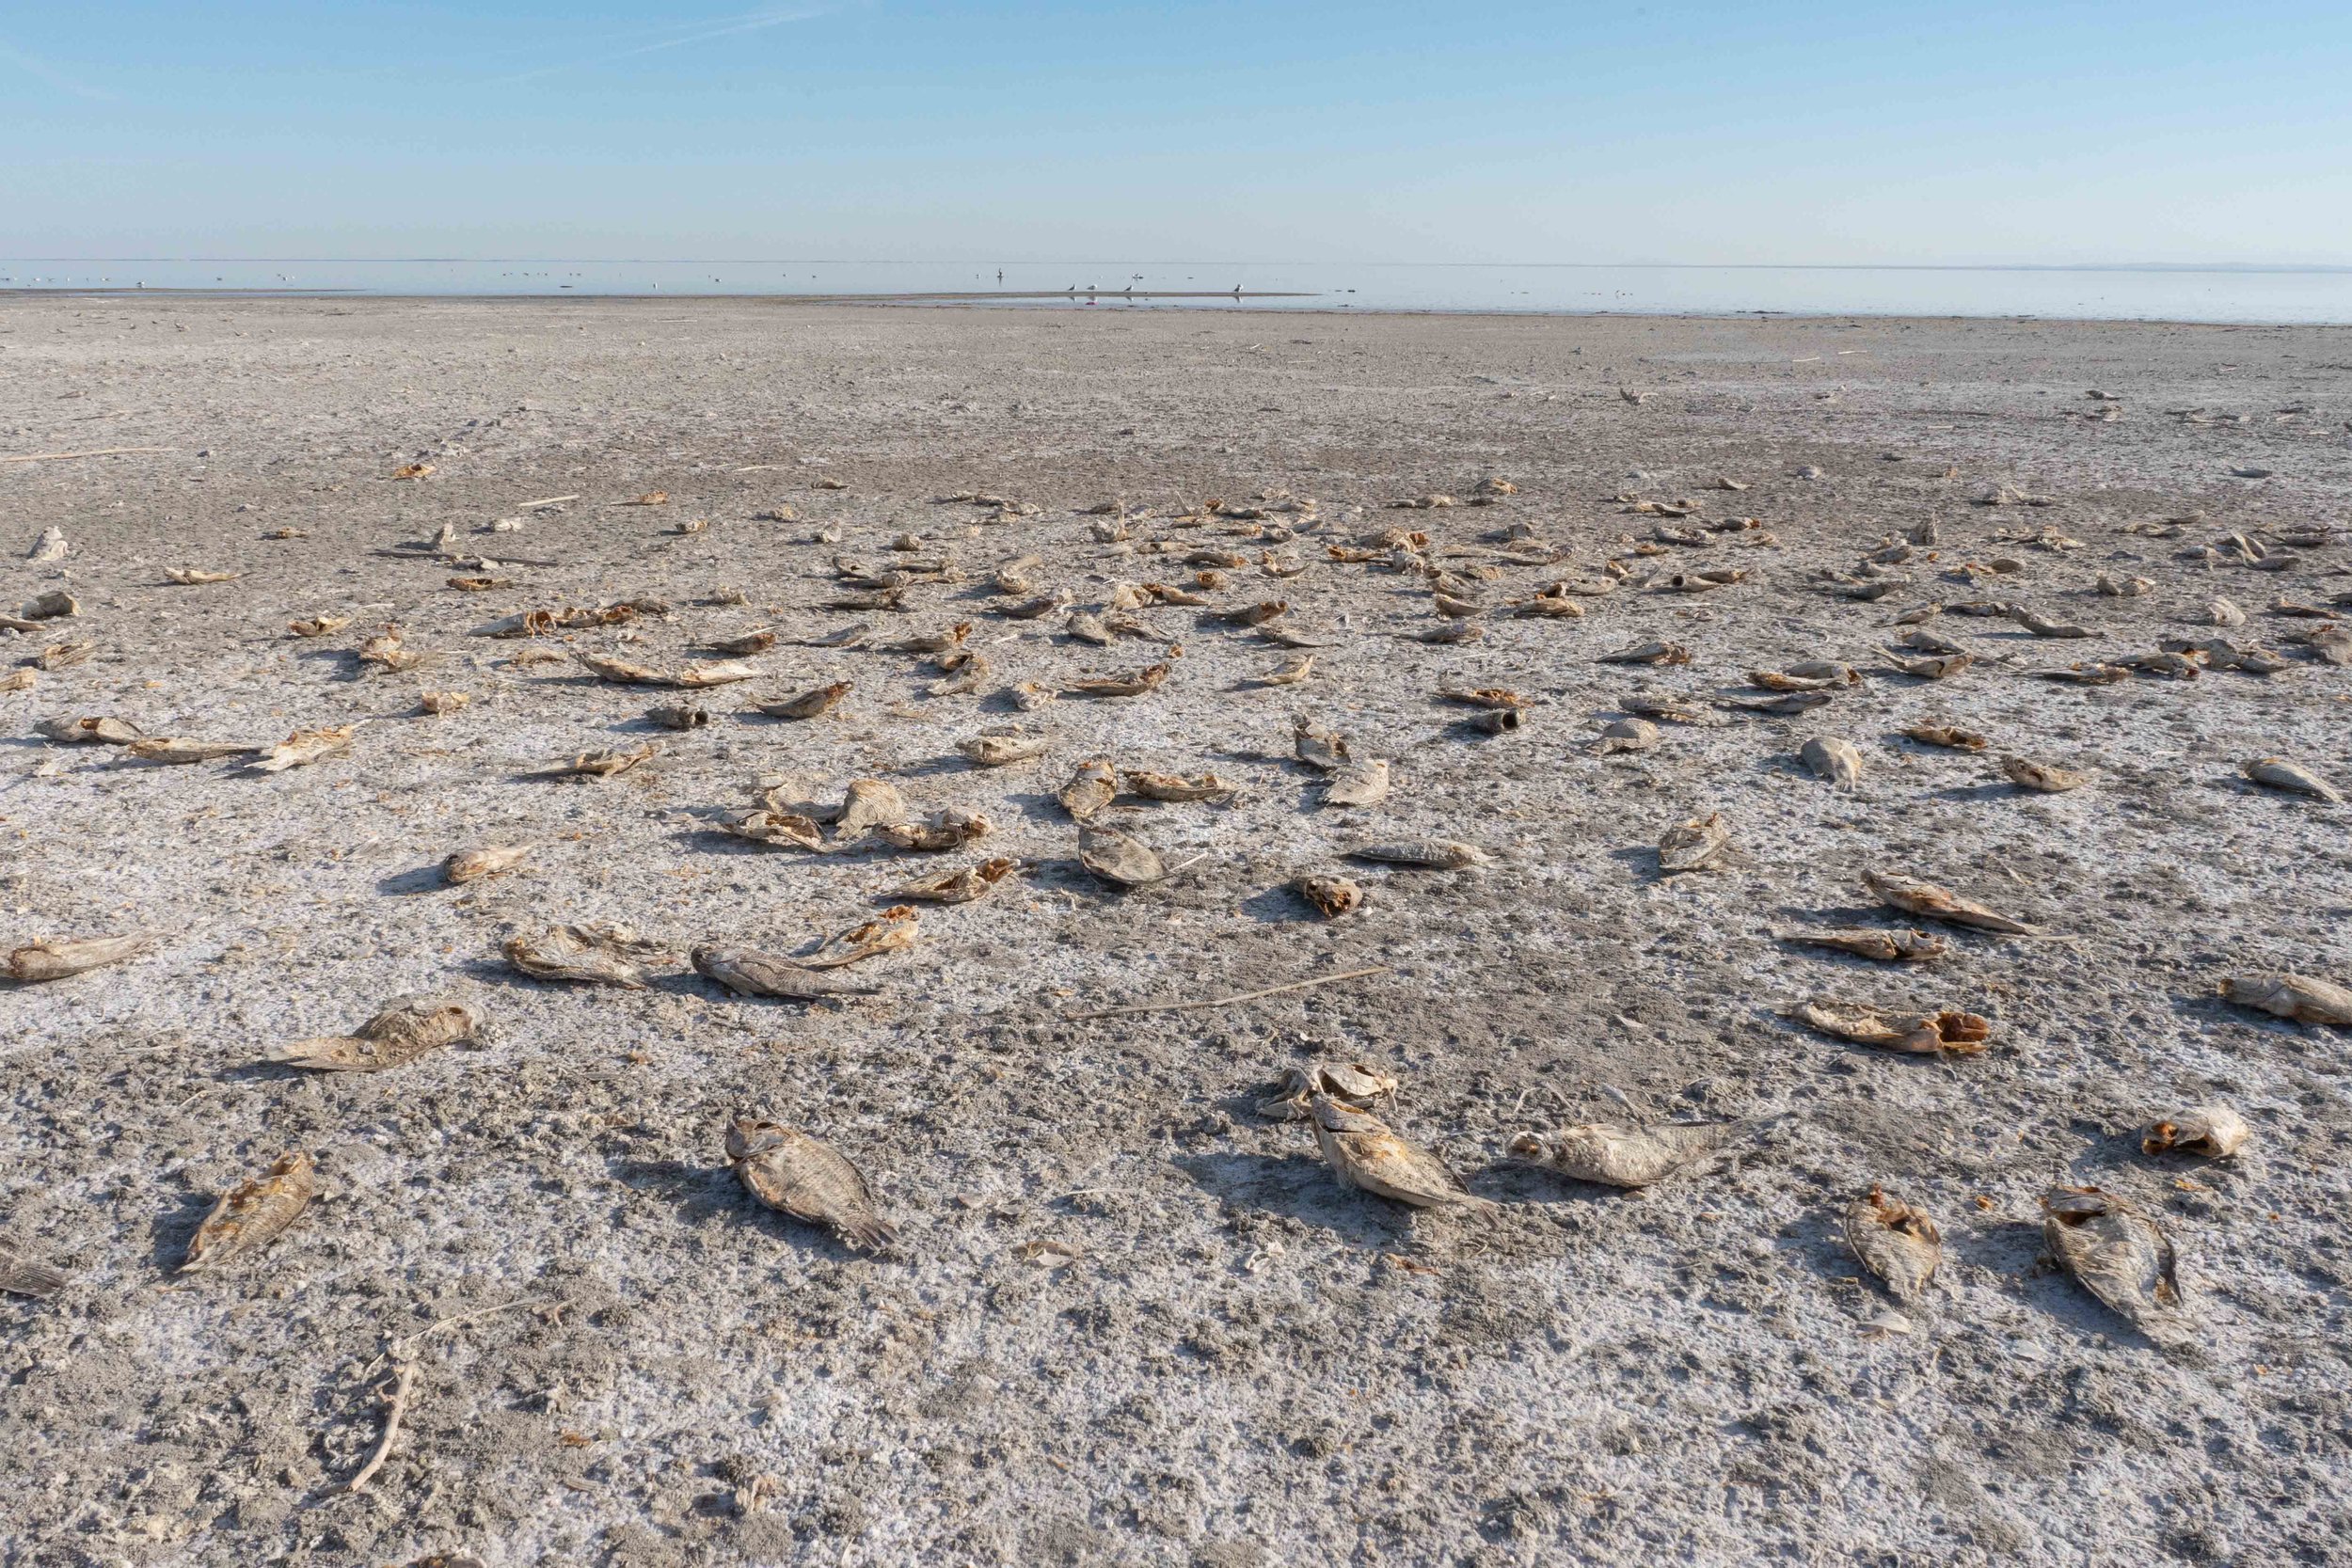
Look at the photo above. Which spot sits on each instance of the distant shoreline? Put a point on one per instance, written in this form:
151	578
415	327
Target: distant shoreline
1027	300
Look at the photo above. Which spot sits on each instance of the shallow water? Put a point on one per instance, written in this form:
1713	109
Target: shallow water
2105	294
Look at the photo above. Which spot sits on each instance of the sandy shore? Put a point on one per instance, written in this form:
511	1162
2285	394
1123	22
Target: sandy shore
1130	1319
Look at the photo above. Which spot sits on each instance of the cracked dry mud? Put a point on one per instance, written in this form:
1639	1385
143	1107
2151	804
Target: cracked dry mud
1128	1319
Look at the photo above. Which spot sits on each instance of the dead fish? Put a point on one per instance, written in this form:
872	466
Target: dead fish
1650	653
1283	635
180	752
104	731
1094	785
961	886
65	656
1947	1033
249	1218
2043	627
1316	746
2042	777
1118	857
1923	641
809	1180
692	716
998	751
1896	1243
1626	735
756	641
1175	786
1330	897
933	641
1925	898
1947	736
1932	667
192	577
2084	675
1616	1154
1437	854
950	827
404	1030
1702	843
1558	606
1364	1153
844	637
867	804
436	703
1486	697
386	651
1869	942
55	958
1833	760
783	828
1136	685
2294	996
1448	631
692	677
746	972
808	704
589	955
606	764
488	859
319	625
2119	1254
2128	588
891	931
1255	615
969	677
1789	704
304	747
1289	672
2278	774
22	1276
1665	706
1779	680
1356	783
2212	1132
1294	1091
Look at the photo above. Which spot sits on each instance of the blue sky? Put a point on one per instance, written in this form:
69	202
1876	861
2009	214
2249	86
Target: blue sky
1705	132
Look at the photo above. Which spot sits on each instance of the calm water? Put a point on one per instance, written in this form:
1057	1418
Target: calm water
2119	294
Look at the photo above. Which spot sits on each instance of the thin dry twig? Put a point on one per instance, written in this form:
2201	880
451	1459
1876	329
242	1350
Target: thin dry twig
401	1346
96	452
1226	1001
394	1411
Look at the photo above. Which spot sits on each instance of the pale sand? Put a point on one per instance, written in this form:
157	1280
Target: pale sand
1218	1355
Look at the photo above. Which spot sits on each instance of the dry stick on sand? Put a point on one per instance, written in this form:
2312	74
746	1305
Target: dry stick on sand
99	451
548	501
394	1411
1226	1001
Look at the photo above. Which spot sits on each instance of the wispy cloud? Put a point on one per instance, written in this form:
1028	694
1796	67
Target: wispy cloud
692	32
33	65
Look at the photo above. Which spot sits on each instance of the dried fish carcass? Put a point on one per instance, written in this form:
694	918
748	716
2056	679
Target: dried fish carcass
407	1029
2296	996
1896	1243
255	1214
589	955
1364	1153
805	1177
2119	1254
60	959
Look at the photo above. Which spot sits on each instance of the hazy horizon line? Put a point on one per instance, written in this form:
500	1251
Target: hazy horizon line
847	260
